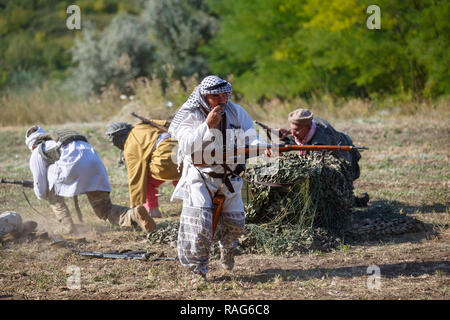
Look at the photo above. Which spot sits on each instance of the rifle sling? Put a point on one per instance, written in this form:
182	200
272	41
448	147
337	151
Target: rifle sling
224	176
75	199
77	208
40	214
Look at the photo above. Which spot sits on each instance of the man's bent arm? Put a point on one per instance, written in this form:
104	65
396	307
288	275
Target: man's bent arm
39	169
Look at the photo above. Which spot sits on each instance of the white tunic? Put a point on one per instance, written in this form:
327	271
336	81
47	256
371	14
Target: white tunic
79	170
193	134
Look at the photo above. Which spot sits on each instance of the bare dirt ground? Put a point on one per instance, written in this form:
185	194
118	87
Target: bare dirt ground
406	168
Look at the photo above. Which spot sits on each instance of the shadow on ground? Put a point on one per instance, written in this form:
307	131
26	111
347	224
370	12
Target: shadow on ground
403	228
387	207
405	269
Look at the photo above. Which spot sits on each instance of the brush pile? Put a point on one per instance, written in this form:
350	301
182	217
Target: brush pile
307	211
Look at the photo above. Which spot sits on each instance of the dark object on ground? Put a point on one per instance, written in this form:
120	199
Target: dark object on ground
136	255
361	200
28	227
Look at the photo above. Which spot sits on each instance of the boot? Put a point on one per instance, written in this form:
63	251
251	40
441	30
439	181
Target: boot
140	216
227	258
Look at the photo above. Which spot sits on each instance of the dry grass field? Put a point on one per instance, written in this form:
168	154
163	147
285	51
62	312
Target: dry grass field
406	168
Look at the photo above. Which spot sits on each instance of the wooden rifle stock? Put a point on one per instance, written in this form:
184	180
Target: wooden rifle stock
250	152
217	201
310	148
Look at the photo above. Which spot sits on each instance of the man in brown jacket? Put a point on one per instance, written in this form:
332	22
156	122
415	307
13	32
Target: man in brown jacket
307	129
150	157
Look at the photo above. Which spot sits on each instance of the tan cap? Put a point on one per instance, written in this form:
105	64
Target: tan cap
301	117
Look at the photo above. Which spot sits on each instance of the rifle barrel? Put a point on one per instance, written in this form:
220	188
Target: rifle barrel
288	148
147	121
315	148
24	183
267	128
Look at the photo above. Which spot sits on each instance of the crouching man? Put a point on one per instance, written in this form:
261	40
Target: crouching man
307	129
64	164
148	157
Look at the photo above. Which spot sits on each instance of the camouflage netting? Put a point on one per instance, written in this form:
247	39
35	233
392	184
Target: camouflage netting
305	215
311	213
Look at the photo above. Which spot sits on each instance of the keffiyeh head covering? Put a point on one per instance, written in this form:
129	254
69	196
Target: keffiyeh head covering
32	134
209	85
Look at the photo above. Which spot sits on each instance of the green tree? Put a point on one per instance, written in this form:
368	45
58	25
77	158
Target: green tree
35	42
114	56
287	48
179	28
162	42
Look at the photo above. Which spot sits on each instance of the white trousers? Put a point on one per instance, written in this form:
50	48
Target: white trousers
195	235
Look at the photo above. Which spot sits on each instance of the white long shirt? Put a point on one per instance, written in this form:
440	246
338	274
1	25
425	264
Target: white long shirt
193	134
79	170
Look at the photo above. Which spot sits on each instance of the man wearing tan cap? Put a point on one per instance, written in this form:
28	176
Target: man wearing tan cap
307	129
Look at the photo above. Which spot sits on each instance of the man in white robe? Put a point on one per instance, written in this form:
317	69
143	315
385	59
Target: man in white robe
77	170
199	125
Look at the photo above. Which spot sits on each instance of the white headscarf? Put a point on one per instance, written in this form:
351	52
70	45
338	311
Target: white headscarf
31	138
209	85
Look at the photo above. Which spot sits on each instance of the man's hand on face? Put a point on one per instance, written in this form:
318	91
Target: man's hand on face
217	101
214	117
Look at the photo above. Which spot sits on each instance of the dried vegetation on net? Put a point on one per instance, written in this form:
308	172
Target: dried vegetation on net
303	216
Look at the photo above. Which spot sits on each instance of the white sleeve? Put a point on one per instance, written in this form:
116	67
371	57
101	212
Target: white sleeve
191	133
38	168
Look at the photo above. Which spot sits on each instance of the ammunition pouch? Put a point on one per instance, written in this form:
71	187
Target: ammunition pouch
61	137
225	176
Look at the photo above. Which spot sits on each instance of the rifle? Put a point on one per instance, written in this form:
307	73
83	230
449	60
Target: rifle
128	255
23	183
217	201
271	130
254	151
30	184
150	122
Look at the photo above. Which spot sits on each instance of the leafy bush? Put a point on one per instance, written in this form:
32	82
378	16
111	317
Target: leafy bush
168	33
113	57
179	29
